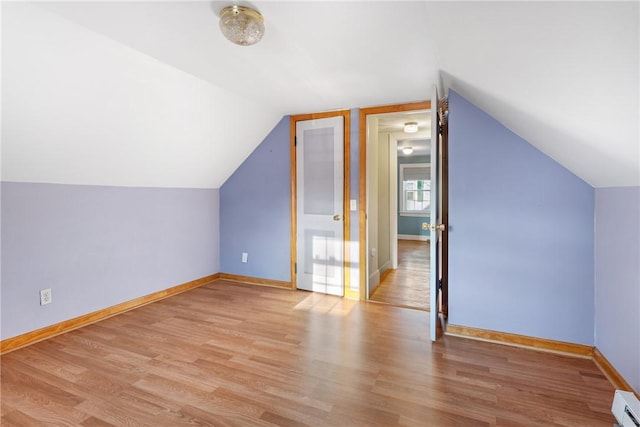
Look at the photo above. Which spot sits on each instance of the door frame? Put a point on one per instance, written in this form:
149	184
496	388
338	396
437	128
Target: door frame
362	181
294	119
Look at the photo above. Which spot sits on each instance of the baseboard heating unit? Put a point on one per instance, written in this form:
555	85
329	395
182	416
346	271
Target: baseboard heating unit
626	409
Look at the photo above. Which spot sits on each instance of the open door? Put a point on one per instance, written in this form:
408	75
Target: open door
438	227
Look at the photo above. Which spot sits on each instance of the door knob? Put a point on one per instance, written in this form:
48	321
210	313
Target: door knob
337	217
439	227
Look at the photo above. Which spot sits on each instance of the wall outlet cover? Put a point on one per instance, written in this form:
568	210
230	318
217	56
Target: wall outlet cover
45	296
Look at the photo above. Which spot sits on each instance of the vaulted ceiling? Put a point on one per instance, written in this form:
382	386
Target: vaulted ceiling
151	94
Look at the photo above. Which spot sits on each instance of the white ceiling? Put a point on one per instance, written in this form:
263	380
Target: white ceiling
393	123
562	75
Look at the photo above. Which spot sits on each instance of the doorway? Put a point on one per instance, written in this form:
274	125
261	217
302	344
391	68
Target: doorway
383	197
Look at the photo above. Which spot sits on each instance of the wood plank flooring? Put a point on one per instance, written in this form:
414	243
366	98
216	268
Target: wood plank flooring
408	285
230	354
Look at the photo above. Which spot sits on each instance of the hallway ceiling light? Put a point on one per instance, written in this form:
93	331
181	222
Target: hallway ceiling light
411	127
407	150
241	25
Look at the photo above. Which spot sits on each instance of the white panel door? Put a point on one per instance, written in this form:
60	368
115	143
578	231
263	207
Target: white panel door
435	217
320	205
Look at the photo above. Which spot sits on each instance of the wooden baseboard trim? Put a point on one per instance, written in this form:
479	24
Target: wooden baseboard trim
256	281
611	373
42	334
560	347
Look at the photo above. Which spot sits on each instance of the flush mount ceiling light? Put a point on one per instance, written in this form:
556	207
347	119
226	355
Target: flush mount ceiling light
411	127
241	25
407	150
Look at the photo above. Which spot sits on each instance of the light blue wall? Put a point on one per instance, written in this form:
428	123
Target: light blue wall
411	225
99	246
521	248
617	295
255	212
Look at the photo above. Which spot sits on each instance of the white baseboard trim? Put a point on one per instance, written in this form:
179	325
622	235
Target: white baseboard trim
374	281
413	237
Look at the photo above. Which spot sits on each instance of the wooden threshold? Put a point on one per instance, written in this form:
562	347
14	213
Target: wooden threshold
41	334
392	304
256	281
552	346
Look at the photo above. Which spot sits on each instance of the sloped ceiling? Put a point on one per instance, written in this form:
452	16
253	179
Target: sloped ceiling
564	76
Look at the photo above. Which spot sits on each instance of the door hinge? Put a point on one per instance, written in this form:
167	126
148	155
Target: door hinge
295	141
440	129
443	107
295	267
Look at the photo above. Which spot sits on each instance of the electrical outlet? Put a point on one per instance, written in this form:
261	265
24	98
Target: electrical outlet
245	257
45	296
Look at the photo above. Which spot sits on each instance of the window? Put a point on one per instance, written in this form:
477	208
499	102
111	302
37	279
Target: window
415	189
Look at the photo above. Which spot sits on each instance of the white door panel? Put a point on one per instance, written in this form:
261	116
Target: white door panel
320	200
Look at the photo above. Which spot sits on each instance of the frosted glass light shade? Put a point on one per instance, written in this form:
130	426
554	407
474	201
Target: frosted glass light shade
411	127
407	150
241	25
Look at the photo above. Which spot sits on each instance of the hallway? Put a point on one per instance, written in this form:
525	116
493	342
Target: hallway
408	285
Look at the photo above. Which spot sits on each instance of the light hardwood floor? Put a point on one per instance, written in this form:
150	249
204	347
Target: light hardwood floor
408	285
230	354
